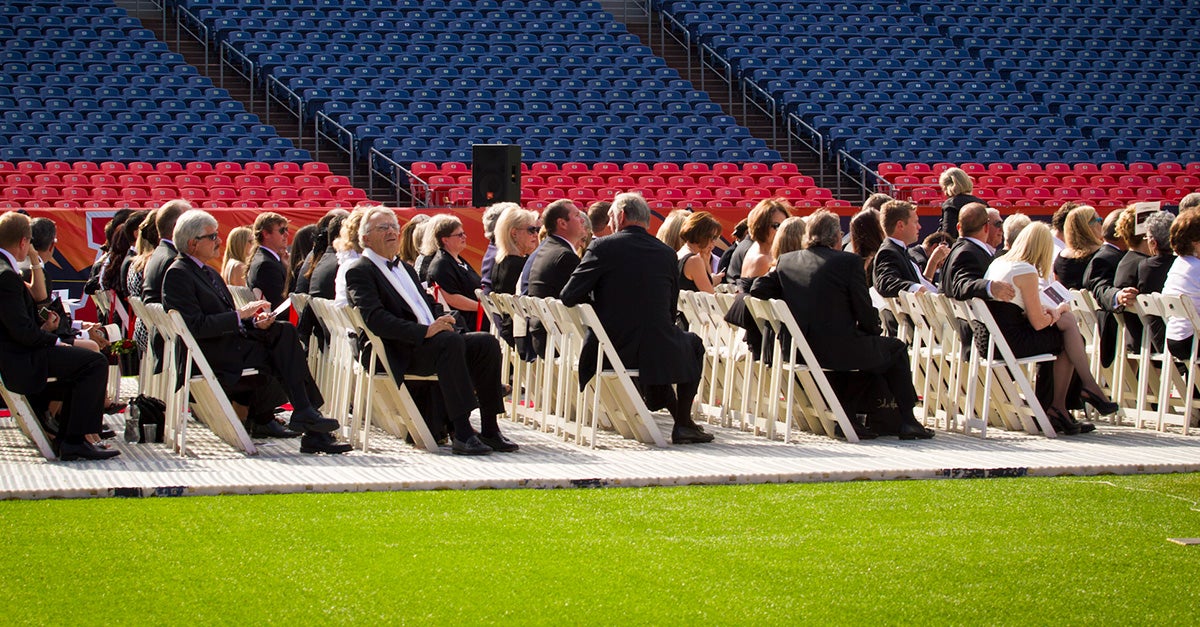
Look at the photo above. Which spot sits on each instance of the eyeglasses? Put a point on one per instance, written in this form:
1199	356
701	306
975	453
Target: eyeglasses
212	237
775	225
386	227
998	224
1097	221
461	234
532	230
282	230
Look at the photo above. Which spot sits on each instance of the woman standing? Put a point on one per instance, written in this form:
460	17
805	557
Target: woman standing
957	186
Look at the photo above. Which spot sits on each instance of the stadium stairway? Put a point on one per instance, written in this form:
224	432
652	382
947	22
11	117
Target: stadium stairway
239	89
635	18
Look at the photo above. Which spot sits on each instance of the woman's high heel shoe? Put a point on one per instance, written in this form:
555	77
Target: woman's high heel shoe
1104	407
1062	423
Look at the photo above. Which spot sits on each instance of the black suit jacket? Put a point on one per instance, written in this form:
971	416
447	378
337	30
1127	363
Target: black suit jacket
320	285
632	281
386	313
210	316
826	290
1100	278
550	266
269	275
24	346
894	270
156	270
962	274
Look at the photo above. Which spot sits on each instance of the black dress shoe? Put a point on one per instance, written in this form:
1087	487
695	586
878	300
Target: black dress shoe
312	420
314	442
271	429
499	443
473	446
1085	427
690	434
106	433
70	452
1104	407
913	430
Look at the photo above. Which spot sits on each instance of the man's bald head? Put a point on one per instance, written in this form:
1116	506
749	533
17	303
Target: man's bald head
973	219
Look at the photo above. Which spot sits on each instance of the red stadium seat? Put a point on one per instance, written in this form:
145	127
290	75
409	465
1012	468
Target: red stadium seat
214	204
672	194
574	168
791	193
163	194
756	193
198	168
1142	168
287	168
917	168
818	193
606	193
741	181
352	194
247	180
112	167
1041	194
727	193
140	194
305	181
1150	193
275	180
726	169
48	194
974	169
681	180
1085	169
591	181
315	167
18	180
604	167
228	168
226	194
261	168
635	168
193	193
1101	180
551	193
110	194
7	167
80	194
699	194
695	169
1168	167
1019	181
162	167
242	203
32	167
543	168
772	180
582	195
755	169
68	204
1113	168
1060	169
217	180
801	181
188	180
47	179
784	168
335	181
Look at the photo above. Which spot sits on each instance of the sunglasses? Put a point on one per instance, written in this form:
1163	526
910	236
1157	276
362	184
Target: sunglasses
212	237
462	235
775	225
532	230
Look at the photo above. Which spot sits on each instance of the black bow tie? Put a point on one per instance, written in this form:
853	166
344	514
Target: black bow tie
391	264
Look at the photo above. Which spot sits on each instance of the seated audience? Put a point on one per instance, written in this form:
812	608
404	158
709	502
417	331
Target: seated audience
239	249
516	238
1012	228
1082	233
269	274
348	251
921	254
454	277
395	308
632	281
826	290
1183	279
410	239
741	242
1152	273
1100	278
300	250
895	271
668	232
866	236
597	213
1033	327
551	264
699	233
491	216
147	242
764	220
789	237
233	339
30	354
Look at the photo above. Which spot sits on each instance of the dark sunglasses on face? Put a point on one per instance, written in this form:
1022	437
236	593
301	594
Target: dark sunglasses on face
212	237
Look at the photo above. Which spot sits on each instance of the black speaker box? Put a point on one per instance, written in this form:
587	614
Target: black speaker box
495	174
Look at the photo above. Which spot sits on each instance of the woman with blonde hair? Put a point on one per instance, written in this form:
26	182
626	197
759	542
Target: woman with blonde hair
348	249
239	248
668	233
516	236
699	233
409	239
764	221
1033	326
957	186
1082	234
789	238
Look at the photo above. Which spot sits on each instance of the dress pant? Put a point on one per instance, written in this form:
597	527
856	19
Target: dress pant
82	380
276	351
468	370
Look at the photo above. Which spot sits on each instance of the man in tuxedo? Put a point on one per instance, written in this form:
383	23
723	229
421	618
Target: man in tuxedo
387	293
551	264
268	274
632	280
234	339
895	270
826	290
30	354
1100	278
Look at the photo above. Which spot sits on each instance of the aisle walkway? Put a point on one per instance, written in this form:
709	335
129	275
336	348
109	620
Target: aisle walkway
546	462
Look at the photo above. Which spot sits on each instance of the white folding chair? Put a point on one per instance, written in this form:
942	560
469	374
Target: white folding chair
1178	401
22	412
379	400
616	395
1013	400
242	295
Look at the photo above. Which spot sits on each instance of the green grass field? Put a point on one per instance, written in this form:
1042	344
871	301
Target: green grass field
1000	551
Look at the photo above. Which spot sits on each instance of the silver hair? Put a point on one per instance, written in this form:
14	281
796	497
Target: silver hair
823	228
1158	228
1013	225
1189	202
631	207
191	225
371	212
491	216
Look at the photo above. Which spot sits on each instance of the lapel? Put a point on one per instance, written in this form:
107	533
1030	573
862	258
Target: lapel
206	282
394	297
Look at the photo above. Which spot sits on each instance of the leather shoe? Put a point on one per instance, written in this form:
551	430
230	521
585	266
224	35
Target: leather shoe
1104	407
86	450
322	443
271	429
913	430
690	434
473	446
1063	423
311	420
499	443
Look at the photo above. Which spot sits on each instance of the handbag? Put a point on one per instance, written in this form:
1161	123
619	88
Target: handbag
147	410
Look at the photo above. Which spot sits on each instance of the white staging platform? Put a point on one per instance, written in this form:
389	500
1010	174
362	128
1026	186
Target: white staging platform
212	467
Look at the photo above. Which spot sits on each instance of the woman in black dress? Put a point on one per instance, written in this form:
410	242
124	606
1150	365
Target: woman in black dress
516	236
455	278
1152	271
699	233
1082	234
